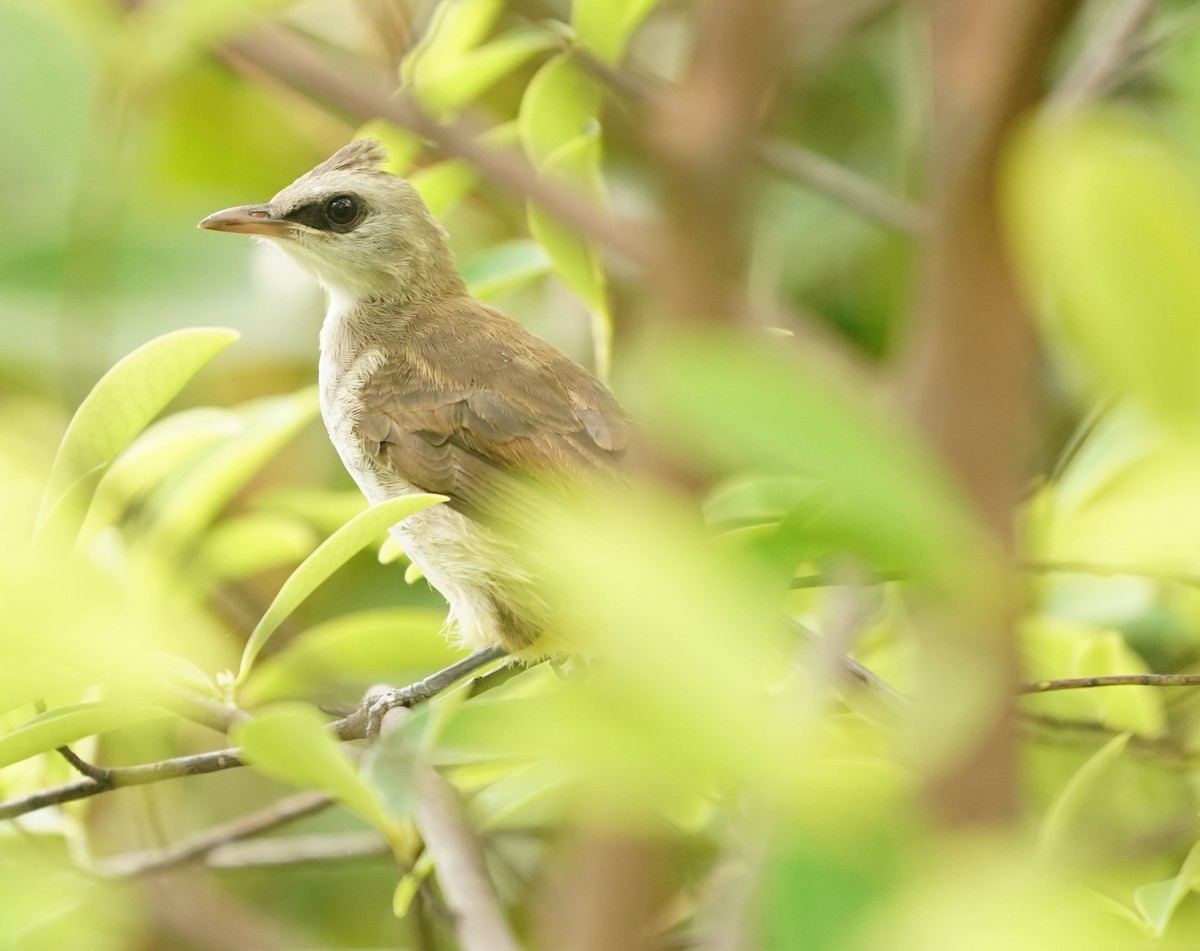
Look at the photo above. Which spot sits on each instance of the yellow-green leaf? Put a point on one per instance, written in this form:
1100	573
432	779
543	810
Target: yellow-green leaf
604	26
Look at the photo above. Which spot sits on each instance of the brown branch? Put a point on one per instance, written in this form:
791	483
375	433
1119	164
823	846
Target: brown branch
968	371
202	843
352	727
704	131
299	850
847	188
1106	53
1112	680
475	910
295	63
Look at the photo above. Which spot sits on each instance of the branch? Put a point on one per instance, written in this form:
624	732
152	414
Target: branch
479	922
292	61
300	849
1106	53
1112	680
351	727
202	843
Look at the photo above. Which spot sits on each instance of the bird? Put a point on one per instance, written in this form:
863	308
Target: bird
425	389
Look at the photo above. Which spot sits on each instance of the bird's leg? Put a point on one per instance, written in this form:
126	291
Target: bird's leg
431	686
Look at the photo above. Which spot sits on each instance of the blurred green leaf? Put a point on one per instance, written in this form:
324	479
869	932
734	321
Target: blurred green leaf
248	544
560	104
1066	806
292	743
334	552
444	184
457	26
504	267
1157	902
604	26
165	446
454	81
26	681
126	399
1105	215
748	405
326	510
403	147
528	797
360	648
64	725
186	506
577	260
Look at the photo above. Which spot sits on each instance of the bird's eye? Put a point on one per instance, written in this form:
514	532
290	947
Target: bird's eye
341	210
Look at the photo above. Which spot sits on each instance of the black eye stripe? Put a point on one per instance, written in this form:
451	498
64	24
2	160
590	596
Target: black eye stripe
317	214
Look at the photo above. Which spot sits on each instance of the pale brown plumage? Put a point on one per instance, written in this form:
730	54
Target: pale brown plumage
424	388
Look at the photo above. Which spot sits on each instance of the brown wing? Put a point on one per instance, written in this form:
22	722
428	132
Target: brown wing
470	397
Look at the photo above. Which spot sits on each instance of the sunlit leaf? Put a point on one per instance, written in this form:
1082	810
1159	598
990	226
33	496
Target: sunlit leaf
1066	806
360	649
1105	216
1157	902
189	504
291	743
64	725
25	682
402	146
457	26
163	448
504	267
334	552
126	399
560	104
455	81
604	26
444	184
747	405
252	543
326	510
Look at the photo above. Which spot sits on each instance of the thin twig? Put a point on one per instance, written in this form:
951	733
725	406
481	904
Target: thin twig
1112	680
1106	53
83	767
297	65
199	845
847	188
351	727
299	850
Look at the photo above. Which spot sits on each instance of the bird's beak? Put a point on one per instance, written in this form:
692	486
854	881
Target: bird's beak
249	219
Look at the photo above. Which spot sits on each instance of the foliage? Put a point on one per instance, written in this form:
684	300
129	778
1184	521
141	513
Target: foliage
184	567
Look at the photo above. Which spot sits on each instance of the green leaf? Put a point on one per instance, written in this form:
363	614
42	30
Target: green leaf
252	543
327	510
457	26
125	400
163	448
191	503
746	404
1066	805
604	26
292	743
357	649
576	260
410	884
334	552
1157	902
403	147
529	797
64	725
452	82
560	104
26	682
444	184
1105	215
505	267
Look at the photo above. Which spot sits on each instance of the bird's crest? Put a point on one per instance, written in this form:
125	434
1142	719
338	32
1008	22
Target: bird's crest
361	155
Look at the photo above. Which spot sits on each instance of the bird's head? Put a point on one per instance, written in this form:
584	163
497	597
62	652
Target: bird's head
362	231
